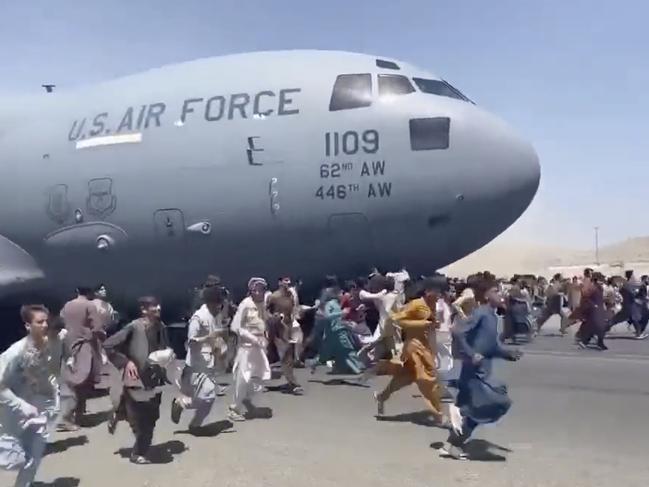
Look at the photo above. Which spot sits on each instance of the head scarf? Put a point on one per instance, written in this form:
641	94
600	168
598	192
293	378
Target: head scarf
256	280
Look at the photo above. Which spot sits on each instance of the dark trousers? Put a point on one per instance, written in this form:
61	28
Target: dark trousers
73	401
638	318
468	426
642	322
623	315
548	312
588	330
511	328
142	417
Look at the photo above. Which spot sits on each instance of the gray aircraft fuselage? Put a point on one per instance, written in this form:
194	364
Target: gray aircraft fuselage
272	163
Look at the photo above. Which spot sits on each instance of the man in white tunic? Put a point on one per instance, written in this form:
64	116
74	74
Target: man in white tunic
441	341
29	396
206	350
251	363
386	338
385	302
400	279
298	334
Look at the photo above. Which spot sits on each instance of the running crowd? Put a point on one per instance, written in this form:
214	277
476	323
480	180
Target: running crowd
598	303
438	333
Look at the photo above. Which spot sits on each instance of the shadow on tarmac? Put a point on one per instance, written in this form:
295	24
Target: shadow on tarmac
94	419
60	482
480	450
60	446
339	382
161	454
259	413
420	418
209	430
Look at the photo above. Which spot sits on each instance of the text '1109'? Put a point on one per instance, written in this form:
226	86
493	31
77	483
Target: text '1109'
351	142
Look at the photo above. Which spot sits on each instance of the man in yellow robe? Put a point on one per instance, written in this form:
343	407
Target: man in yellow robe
418	320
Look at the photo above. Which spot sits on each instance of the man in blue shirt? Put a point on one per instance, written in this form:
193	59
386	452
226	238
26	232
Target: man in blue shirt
481	399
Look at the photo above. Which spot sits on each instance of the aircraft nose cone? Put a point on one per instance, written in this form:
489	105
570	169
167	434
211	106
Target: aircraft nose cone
509	170
500	177
521	171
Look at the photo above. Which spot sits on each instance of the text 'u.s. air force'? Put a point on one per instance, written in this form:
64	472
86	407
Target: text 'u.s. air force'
216	108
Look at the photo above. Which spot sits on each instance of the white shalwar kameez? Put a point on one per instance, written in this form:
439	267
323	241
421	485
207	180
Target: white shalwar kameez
442	341
29	406
385	303
251	363
400	279
204	359
297	334
385	335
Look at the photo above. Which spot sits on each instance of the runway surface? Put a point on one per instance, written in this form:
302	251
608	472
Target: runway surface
580	418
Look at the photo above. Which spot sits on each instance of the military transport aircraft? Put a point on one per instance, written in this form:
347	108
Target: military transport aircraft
269	163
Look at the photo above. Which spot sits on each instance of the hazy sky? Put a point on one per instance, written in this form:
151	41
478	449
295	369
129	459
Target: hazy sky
571	75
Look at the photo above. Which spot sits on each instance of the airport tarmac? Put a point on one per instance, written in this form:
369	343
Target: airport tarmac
579	418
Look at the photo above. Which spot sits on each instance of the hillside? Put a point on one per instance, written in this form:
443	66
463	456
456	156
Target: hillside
506	259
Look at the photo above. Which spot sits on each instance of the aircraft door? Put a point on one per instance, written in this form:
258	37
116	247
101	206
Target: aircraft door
352	243
169	224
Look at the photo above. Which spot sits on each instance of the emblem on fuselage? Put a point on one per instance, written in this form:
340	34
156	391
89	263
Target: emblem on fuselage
58	206
101	201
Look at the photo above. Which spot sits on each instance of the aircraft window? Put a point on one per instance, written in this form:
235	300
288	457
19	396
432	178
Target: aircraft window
382	63
351	91
394	84
439	87
429	133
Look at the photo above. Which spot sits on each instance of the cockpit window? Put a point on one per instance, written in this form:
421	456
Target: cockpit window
394	84
351	91
382	63
439	87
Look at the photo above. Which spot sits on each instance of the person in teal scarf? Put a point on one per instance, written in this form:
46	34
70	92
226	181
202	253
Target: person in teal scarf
336	342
